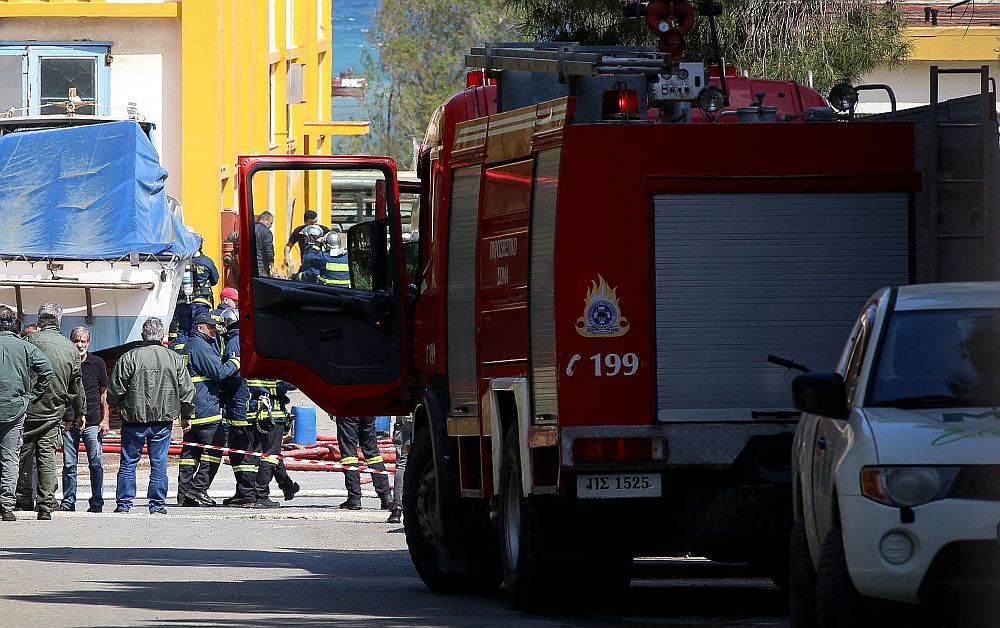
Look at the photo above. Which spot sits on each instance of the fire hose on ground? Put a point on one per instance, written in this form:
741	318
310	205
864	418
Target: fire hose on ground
324	456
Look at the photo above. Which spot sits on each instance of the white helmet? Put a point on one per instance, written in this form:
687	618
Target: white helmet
312	233
332	243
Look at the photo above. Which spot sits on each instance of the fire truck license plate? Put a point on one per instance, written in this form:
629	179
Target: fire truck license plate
613	485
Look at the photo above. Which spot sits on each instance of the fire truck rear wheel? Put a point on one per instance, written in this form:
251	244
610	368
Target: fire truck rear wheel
547	563
423	530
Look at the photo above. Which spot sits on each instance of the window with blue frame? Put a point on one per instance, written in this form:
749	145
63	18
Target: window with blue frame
36	77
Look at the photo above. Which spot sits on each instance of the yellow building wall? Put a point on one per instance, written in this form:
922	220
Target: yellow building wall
235	57
238	52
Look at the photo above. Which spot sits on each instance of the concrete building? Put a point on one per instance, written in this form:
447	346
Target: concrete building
219	78
966	36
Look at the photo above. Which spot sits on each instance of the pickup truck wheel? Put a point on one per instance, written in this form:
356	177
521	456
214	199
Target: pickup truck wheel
422	527
838	603
802	580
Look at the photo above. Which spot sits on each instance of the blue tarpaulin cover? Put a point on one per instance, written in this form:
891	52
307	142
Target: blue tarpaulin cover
86	192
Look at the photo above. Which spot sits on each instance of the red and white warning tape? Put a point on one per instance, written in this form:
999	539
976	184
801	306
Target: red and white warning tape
321	463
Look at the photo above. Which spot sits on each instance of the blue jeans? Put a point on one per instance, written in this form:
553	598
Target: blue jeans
71	447
156	437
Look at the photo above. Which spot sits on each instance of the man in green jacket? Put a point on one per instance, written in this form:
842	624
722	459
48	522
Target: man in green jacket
25	373
43	425
151	387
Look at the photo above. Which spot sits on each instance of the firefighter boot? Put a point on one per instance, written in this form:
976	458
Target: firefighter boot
290	490
386	500
352	479
395	515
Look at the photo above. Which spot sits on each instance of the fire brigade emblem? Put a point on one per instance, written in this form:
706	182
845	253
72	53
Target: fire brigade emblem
601	314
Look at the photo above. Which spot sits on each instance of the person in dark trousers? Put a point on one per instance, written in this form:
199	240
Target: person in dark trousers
353	431
288	487
265	244
242	434
267	410
198	465
92	431
25	374
303	240
402	435
151	388
44	423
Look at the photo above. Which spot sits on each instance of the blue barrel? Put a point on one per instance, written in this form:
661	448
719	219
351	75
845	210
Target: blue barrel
304	432
383	423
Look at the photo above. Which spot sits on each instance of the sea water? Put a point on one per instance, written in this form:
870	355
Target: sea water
351	22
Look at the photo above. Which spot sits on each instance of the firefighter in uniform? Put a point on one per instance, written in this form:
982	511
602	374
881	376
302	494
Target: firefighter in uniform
268	400
351	432
334	271
240	431
312	254
208	371
198	298
288	487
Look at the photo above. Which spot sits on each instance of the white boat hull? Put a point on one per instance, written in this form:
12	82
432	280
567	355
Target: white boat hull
112	299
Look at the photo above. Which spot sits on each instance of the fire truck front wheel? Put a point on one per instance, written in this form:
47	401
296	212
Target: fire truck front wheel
474	568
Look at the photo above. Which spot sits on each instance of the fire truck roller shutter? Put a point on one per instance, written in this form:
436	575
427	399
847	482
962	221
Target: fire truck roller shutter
462	231
544	369
739	276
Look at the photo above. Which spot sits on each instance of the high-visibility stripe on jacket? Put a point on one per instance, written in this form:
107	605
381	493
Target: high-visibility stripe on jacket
335	271
204	275
277	390
235	394
208	371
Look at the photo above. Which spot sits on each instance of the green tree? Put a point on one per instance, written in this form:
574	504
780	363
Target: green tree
779	39
416	63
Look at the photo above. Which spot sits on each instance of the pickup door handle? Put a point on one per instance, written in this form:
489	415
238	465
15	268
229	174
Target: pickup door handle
821	442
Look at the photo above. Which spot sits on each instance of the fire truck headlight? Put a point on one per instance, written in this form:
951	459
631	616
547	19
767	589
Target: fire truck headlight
843	97
711	99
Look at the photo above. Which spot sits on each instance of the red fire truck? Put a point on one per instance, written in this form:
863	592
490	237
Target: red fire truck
604	247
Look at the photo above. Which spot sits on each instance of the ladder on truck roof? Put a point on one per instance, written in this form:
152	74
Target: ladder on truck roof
958	154
959	175
567	59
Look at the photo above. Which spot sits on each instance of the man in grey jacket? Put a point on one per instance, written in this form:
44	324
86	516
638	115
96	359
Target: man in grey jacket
151	388
44	423
25	373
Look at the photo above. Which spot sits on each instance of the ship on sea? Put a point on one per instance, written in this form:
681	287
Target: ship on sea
347	85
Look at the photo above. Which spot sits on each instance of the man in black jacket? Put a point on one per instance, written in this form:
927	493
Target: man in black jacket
265	244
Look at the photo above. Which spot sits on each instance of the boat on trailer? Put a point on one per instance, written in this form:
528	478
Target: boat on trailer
85	222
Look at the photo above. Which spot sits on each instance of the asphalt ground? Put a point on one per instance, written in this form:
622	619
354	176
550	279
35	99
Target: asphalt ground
307	563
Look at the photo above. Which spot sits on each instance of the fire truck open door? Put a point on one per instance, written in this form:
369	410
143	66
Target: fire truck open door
331	320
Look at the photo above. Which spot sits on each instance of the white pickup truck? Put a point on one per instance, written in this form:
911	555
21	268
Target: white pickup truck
896	466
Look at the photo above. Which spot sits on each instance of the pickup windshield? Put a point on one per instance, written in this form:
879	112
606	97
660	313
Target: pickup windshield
939	359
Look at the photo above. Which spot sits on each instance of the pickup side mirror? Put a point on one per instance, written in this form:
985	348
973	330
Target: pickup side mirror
822	394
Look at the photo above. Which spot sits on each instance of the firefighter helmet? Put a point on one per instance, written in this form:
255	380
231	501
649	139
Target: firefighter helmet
332	243
312	233
230	317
